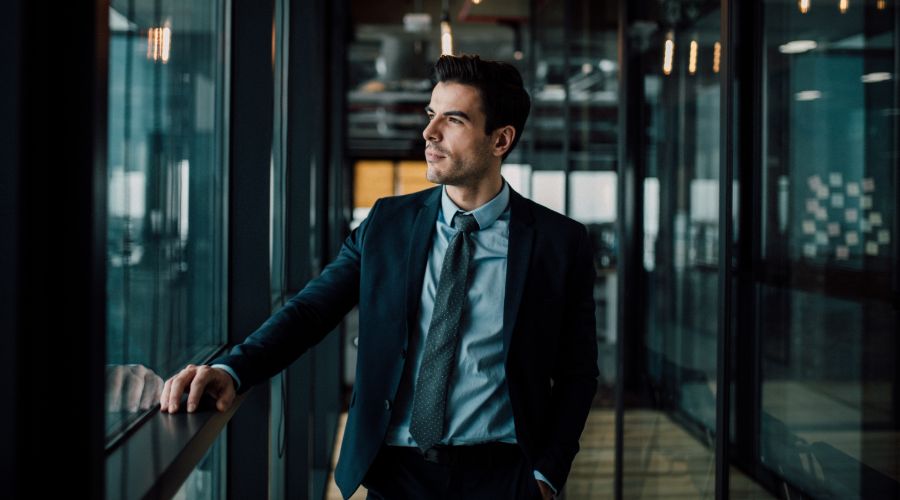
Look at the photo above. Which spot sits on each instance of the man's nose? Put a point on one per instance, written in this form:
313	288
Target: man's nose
432	132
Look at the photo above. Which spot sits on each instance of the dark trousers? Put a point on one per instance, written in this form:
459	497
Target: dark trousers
492	471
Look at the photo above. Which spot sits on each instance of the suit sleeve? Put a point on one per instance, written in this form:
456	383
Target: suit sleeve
575	369
305	319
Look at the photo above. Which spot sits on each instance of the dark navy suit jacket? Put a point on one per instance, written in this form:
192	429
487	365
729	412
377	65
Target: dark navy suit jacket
548	327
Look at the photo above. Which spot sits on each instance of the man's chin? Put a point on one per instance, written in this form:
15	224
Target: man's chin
435	177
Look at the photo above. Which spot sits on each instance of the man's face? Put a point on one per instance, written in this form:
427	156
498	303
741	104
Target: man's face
457	150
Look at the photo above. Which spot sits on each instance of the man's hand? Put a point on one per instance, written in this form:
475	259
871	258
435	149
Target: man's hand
214	381
546	491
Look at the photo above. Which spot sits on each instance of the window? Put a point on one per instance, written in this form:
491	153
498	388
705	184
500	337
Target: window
166	229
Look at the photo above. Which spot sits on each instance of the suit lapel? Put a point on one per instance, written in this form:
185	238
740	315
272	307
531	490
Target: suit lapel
419	245
521	238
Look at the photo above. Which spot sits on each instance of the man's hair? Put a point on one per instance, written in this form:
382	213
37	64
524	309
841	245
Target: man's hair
504	100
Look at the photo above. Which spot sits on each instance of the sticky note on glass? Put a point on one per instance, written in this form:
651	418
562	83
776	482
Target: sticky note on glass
834	229
852	238
822	214
868	185
821	238
875	219
835	179
822	193
842	252
851	215
884	237
814	182
809	250
837	200
871	248
865	202
812	205
865	226
809	227
852	189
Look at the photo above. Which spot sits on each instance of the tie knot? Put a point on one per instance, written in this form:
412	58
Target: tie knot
465	222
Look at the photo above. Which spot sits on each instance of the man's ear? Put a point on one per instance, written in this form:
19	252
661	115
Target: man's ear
502	139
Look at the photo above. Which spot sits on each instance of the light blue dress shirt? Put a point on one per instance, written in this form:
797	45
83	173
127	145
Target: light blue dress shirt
478	407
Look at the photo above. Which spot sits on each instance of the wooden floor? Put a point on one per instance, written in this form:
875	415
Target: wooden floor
661	460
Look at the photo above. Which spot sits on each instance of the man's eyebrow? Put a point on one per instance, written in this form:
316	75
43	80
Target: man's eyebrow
460	114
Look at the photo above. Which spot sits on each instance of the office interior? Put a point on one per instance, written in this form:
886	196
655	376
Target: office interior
174	171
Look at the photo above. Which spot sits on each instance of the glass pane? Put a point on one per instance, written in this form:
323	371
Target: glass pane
207	480
591	75
547	124
166	170
670	434
828	293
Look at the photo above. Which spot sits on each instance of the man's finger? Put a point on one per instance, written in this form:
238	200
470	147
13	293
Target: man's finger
179	383
164	396
226	395
198	385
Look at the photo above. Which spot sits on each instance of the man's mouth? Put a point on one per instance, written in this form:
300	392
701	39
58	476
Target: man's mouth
432	156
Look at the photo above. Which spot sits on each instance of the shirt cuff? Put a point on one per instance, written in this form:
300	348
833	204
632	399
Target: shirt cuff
541	477
237	380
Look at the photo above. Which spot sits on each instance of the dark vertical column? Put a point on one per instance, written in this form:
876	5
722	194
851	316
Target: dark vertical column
568	9
57	236
336	206
11	34
896	229
252	94
748	250
728	133
629	231
308	197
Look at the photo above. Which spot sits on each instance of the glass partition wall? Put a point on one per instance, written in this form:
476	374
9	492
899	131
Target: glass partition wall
827	286
812	260
669	431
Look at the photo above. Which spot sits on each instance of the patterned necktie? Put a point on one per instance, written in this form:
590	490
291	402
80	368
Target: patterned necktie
430	396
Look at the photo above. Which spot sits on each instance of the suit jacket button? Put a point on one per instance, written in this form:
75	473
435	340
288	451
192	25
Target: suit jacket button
387	404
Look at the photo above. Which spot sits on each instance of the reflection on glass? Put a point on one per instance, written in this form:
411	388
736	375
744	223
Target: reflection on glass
130	388
207	480
166	170
670	432
828	296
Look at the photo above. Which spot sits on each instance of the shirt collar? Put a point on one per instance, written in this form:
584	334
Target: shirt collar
485	215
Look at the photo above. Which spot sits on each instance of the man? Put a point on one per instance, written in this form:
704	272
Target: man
477	357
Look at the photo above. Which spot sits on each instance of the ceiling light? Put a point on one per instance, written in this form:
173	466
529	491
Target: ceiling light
717	56
808	95
692	59
446	37
669	54
797	47
875	77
